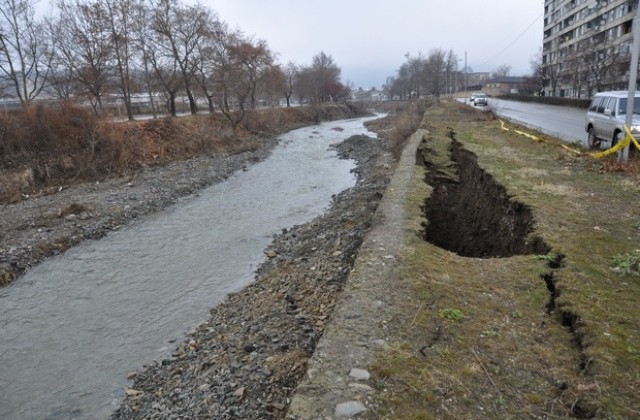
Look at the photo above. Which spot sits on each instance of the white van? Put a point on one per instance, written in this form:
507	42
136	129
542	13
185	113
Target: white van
606	118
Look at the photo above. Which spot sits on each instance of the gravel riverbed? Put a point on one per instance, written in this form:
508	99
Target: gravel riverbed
247	359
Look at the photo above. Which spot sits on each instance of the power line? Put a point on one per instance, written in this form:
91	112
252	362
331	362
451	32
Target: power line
512	41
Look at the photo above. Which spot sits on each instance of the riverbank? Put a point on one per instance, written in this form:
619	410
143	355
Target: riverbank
247	359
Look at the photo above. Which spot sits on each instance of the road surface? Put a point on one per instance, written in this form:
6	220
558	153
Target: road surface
566	123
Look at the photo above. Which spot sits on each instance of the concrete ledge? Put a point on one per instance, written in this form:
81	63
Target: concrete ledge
337	382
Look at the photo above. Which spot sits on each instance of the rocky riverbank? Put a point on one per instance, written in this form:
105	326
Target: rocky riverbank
39	227
247	359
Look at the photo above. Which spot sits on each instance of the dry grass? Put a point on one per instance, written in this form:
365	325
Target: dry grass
62	144
406	117
514	337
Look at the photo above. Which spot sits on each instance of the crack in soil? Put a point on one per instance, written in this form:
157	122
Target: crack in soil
581	409
471	214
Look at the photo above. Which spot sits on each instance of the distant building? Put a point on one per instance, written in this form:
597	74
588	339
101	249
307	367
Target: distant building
500	85
586	46
476	81
371	95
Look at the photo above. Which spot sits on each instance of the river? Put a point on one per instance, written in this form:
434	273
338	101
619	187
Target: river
74	326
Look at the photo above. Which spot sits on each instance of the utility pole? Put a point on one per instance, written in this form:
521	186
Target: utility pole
465	72
633	77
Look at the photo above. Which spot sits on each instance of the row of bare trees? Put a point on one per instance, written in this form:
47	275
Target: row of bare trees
591	65
419	75
95	50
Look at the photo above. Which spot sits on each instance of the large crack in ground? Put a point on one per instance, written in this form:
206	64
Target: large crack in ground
471	214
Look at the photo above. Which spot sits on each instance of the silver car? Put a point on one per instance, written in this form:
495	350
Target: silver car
480	99
606	117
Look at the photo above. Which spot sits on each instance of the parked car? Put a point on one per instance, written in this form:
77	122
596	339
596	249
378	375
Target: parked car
606	117
480	99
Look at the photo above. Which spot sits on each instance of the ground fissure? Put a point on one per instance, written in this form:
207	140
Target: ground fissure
469	213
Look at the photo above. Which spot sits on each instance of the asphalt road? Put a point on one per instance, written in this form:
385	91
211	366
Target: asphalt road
566	123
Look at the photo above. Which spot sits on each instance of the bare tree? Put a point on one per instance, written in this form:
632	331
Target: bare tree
25	54
142	41
324	78
538	70
577	72
451	67
414	69
121	25
502	70
166	74
290	74
252	59
601	58
182	28
84	48
207	54
392	88
228	78
435	68
273	82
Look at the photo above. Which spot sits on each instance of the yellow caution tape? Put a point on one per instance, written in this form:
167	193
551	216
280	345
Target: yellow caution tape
531	136
622	144
577	152
628	139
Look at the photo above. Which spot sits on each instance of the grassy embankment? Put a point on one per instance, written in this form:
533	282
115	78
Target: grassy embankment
548	335
45	147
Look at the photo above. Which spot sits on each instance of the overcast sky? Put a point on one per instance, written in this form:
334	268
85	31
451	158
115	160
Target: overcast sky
368	39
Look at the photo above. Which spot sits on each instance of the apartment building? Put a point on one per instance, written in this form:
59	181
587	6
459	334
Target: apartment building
586	46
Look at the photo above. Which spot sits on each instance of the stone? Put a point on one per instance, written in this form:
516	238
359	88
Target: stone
271	253
239	392
349	409
133	392
359	374
361	387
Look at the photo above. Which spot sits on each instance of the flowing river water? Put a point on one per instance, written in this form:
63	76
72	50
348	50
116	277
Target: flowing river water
74	326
